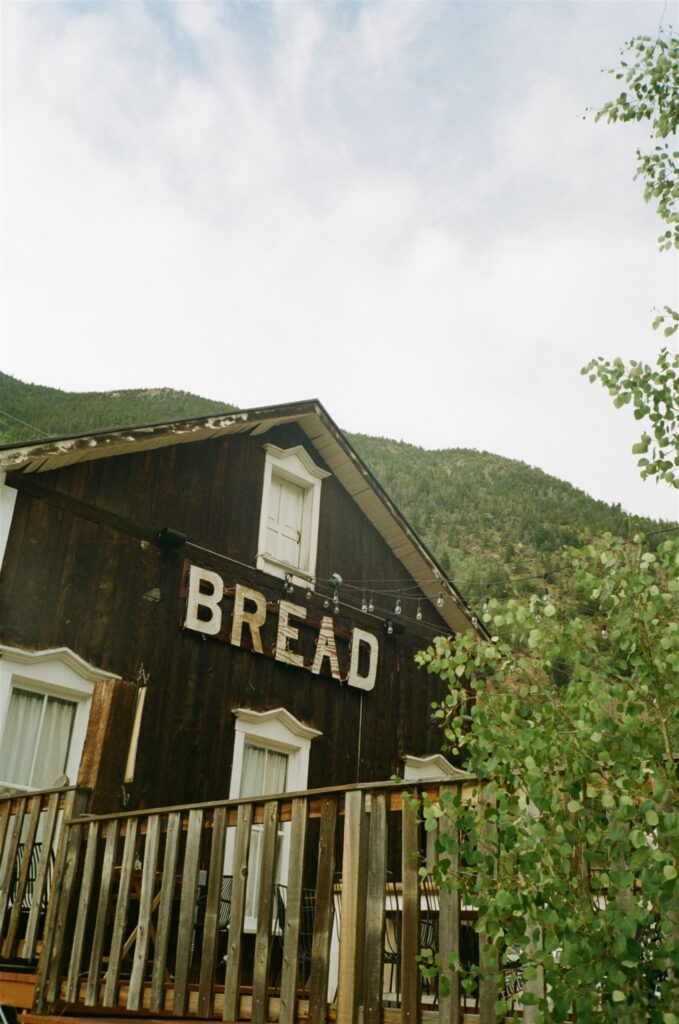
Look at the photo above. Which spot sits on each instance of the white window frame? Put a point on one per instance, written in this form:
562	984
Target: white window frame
277	730
296	466
57	672
8	497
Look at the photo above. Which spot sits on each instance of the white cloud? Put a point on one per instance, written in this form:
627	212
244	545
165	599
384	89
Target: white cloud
266	203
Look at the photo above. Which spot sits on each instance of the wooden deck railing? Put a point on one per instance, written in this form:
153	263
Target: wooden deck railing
29	843
154	912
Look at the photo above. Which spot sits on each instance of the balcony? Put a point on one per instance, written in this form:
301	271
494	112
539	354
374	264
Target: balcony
298	907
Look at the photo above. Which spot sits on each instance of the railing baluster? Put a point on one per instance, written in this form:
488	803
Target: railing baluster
351	946
84	904
323	919
75	801
122	910
146	896
187	911
410	919
208	960
488	958
92	987
41	895
165	911
231	1007
62	911
293	912
260	975
375	909
10	864
449	943
8	945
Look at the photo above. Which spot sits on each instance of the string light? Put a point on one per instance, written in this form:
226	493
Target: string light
486	605
439	599
364	604
371	604
335	602
604	631
397	606
308	592
418	613
545	596
390	627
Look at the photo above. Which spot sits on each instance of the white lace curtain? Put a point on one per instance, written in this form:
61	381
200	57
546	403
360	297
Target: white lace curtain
36	740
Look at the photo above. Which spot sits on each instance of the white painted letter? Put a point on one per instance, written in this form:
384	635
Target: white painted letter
358	637
287	632
326	648
196	600
254	619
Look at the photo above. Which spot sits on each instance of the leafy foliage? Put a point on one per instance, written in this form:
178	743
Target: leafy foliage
654	392
572	852
651	78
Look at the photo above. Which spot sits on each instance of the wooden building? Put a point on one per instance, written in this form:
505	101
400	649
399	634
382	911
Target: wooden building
202	613
271	504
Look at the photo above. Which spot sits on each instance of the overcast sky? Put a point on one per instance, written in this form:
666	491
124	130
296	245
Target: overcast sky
397	208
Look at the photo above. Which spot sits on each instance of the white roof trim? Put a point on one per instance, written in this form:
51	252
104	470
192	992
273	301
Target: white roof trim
63	654
435	766
291	723
300	453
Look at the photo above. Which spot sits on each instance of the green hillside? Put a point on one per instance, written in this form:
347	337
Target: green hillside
489	520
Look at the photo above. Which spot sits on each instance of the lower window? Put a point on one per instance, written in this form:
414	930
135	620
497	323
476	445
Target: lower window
37	739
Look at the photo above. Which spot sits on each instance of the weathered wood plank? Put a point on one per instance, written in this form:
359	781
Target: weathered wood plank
170	858
8	947
260	975
293	912
10	863
234	949
351	945
488	958
92	987
75	801
144	924
62	914
187	911
449	943
323	919
84	904
208	961
375	909
121	915
42	877
410	920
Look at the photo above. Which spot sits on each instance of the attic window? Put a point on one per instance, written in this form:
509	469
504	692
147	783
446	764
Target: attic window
291	504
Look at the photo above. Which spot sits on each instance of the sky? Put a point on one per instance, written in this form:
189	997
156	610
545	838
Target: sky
402	209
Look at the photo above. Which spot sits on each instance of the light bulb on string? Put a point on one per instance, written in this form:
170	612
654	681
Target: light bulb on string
390	627
545	596
364	604
335	603
439	599
397	606
486	605
371	604
418	613
308	592
475	621
604	631
326	603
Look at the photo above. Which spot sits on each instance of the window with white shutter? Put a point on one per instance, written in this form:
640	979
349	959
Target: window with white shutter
291	502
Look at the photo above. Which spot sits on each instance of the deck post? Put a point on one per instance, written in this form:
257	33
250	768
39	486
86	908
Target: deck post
351	945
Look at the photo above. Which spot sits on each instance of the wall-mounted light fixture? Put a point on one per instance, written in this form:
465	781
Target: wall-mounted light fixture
167	538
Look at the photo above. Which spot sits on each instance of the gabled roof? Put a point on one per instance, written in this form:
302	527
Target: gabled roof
323	433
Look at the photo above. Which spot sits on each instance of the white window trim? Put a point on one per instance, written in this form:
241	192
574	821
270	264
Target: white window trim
297	466
278	730
58	672
432	768
281	731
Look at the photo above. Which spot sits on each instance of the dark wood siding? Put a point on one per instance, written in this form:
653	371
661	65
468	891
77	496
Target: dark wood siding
76	576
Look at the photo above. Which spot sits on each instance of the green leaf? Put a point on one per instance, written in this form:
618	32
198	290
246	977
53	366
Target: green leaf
669	871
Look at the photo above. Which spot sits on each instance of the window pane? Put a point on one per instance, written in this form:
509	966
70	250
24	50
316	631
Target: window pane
252	775
54	743
20	738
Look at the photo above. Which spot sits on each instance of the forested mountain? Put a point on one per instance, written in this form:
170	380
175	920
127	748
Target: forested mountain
489	520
